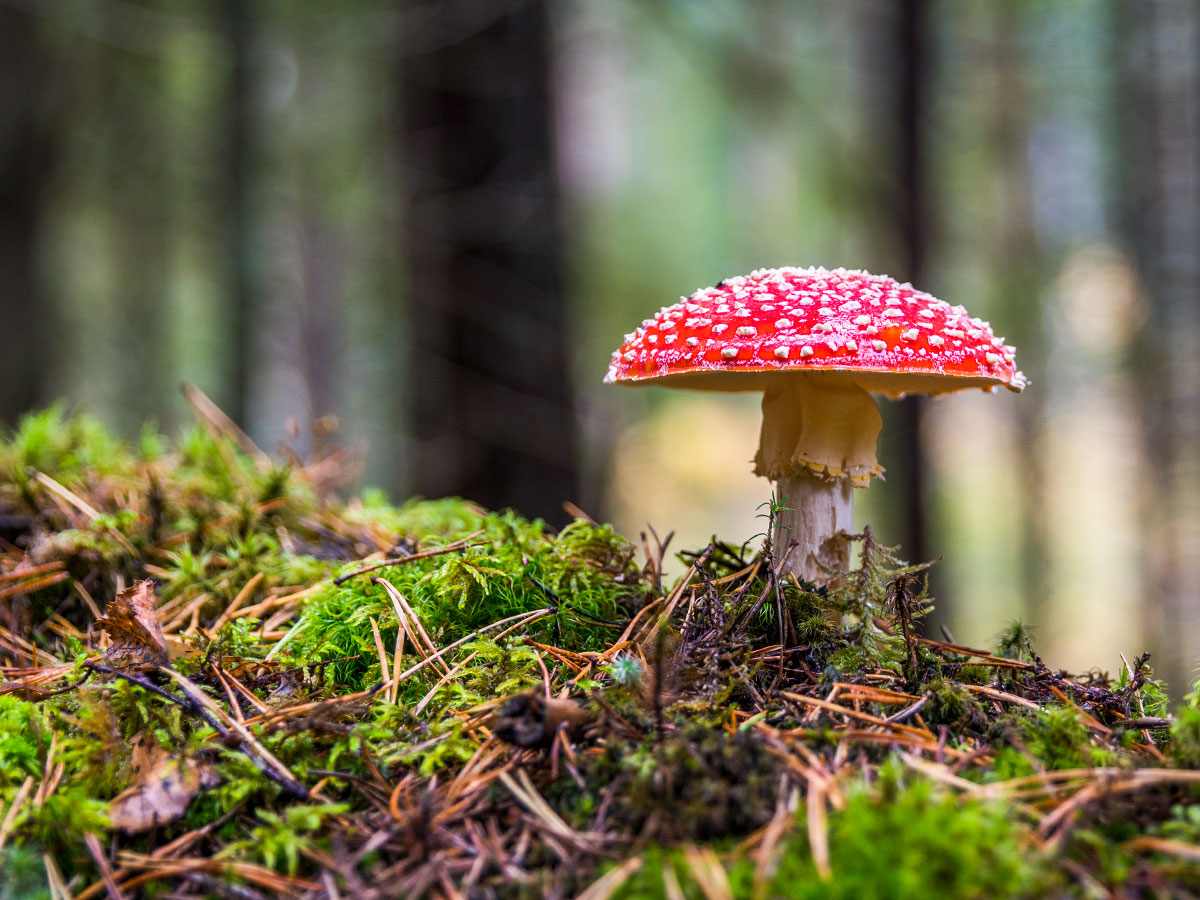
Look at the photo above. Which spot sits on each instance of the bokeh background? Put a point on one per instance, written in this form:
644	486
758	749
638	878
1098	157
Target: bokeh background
429	223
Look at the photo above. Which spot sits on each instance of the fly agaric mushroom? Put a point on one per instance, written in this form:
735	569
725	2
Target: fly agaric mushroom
817	343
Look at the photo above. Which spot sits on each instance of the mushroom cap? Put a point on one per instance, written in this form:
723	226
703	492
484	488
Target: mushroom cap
885	336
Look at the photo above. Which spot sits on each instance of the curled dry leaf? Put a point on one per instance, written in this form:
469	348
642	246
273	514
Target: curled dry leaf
163	787
531	720
131	622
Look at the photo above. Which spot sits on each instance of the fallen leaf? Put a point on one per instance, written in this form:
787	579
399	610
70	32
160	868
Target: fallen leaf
163	787
531	720
132	624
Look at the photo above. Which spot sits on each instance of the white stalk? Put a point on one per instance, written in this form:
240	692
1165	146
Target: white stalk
818	510
817	444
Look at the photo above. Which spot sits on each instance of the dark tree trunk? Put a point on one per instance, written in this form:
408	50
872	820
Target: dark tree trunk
909	213
492	414
1017	280
24	170
138	205
239	128
1157	44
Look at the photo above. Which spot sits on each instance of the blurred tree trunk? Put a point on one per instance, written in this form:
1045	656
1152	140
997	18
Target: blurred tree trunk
239	130
1158	47
25	148
912	224
1016	279
137	201
895	45
492	414
908	209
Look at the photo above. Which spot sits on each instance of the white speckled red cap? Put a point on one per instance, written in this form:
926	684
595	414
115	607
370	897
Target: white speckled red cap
888	337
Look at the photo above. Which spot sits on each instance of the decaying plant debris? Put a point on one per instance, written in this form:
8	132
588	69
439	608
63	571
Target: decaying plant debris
362	700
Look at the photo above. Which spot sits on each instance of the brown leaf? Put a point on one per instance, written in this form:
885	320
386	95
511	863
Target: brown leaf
163	787
531	720
132	624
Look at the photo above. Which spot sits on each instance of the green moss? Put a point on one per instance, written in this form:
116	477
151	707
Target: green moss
696	783
283	837
24	739
585	574
970	674
1054	737
693	732
61	821
1185	737
70	449
24	873
1058	738
949	704
897	840
1015	642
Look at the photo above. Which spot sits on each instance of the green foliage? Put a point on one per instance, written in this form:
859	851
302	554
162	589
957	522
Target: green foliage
862	602
1184	824
1053	737
238	783
1058	738
915	840
451	748
95	747
24	873
1185	737
949	703
282	837
68	449
688	737
495	670
1015	642
62	820
896	840
24	740
696	783
1152	696
585	574
626	669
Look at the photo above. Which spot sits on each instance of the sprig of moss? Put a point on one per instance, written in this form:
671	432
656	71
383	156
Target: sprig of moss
898	839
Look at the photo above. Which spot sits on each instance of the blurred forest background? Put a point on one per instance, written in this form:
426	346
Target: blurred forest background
435	220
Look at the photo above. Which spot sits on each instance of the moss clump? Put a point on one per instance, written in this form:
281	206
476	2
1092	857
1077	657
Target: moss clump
893	840
584	576
1185	737
24	873
689	729
952	705
695	783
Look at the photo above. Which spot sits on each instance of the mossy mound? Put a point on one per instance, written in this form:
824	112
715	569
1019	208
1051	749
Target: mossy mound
294	695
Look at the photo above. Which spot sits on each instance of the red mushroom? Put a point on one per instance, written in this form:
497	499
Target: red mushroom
817	343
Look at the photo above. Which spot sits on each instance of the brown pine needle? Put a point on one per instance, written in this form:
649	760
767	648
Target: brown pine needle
461	544
97	853
34	584
397	658
384	673
14	808
1001	695
408	616
1148	844
30	571
242	596
818	828
709	873
604	886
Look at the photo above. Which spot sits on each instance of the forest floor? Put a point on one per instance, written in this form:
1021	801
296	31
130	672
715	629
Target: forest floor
221	680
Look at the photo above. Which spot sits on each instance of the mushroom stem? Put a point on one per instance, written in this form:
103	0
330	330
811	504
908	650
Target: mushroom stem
820	422
817	510
817	443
